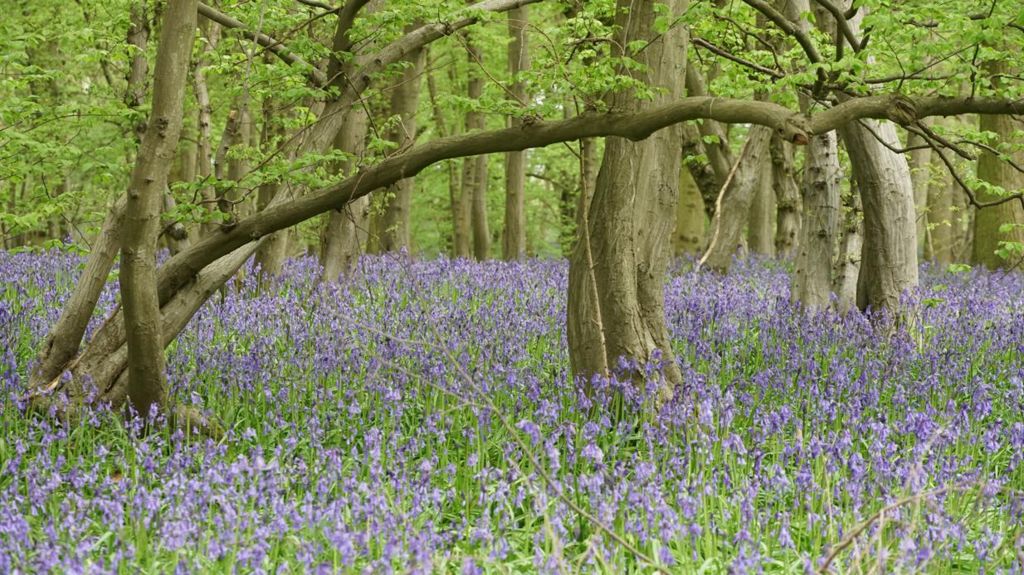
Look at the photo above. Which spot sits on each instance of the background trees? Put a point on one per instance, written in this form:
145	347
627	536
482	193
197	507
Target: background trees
344	124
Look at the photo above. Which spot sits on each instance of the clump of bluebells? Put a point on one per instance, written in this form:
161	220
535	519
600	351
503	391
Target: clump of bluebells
418	417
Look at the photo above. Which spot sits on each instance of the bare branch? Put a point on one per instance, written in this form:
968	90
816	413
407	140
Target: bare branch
741	61
842	22
789	27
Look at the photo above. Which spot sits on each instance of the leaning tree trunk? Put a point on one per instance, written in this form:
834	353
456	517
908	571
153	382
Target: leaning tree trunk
888	265
514	237
141	228
787	195
988	238
345	232
812	281
617	271
733	205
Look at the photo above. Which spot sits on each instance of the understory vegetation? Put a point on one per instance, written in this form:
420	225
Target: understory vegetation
419	416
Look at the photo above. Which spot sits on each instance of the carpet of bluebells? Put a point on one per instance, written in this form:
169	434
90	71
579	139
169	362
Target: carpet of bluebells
418	417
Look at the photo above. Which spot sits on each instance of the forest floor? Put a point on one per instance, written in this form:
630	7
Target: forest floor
419	417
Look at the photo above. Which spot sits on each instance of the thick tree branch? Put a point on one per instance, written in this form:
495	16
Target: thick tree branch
801	36
270	44
180	269
842	23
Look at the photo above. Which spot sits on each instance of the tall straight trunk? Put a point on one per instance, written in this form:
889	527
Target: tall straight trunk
229	167
760	228
733	205
812	280
204	147
460	218
138	67
617	271
345	232
274	249
847	268
988	238
514	238
787	198
690	219
474	170
920	174
146	378
405	97
889	260
940	218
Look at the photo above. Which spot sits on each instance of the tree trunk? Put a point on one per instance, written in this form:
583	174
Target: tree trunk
405	96
787	196
345	232
689	235
460	218
138	68
920	174
812	280
700	169
514	238
204	147
474	169
940	220
274	249
888	264
988	238
734	201
141	228
617	271
848	261
762	209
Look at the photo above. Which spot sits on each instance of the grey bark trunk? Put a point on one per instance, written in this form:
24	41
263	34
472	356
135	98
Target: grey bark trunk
690	219
939	230
889	258
460	218
787	195
204	147
404	102
345	232
514	237
474	170
847	268
733	205
920	175
760	222
988	238
812	280
145	349
617	271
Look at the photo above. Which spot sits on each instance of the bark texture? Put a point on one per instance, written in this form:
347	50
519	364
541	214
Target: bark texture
141	228
848	259
920	174
761	219
940	221
690	220
787	196
617	271
345	232
514	237
460	216
812	280
987	236
474	169
889	260
734	201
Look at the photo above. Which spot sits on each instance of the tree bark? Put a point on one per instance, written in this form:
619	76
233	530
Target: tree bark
460	217
940	220
690	219
988	238
514	238
138	68
920	174
474	170
760	228
141	228
395	234
812	280
204	147
617	271
848	260
787	195
888	265
734	201
345	232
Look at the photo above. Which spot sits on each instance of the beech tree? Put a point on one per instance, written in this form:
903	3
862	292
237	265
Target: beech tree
638	103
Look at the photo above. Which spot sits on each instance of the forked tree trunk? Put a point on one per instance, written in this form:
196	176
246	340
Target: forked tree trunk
787	195
733	205
760	222
147	386
812	280
888	265
617	271
514	237
343	236
988	238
